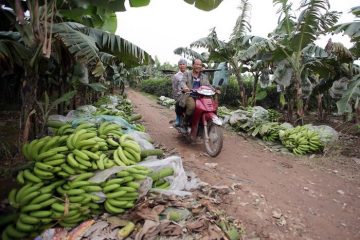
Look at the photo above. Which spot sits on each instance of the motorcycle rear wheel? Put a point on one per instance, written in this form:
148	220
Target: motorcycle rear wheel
216	137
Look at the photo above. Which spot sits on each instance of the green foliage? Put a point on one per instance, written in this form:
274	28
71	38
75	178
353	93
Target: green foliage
230	94
157	86
266	97
46	106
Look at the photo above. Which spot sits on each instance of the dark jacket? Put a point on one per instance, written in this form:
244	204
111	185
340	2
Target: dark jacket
188	80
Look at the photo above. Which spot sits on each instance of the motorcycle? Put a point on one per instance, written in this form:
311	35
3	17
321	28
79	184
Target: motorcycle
204	121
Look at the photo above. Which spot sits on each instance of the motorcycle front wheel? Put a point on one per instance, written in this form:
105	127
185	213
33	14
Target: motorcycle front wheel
214	143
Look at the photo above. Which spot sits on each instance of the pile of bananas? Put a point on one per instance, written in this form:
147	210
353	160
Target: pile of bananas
122	191
47	196
69	202
301	140
112	112
269	131
159	177
126	106
139	127
273	115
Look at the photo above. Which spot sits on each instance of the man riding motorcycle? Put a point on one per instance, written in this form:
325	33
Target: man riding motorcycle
192	80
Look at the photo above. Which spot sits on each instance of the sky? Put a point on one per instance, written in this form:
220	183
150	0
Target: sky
165	25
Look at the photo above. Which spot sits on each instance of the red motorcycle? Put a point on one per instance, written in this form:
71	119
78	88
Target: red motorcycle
204	122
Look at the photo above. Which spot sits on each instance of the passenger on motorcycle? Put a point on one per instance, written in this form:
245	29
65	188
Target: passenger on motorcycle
192	80
176	80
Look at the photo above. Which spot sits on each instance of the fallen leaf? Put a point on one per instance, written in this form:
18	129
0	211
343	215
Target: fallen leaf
168	228
78	232
149	231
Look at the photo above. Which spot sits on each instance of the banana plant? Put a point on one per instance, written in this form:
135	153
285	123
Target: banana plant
46	106
291	46
351	97
230	52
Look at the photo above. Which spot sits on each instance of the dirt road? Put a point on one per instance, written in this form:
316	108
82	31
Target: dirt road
278	196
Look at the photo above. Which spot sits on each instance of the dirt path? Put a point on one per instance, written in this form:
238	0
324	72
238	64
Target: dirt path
278	197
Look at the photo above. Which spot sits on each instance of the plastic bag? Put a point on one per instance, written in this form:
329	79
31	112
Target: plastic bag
178	182
326	133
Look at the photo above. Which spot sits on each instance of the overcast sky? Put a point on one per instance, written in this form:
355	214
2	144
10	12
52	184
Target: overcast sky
165	25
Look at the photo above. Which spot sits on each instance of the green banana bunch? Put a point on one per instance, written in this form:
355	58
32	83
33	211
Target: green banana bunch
122	191
273	115
128	152
301	140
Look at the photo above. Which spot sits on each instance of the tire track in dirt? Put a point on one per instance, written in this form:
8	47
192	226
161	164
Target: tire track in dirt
278	198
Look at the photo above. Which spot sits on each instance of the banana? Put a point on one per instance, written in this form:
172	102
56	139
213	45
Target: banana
127	189
46	154
26	199
112	142
108	163
100	164
109	128
115	194
56	162
132	145
102	126
48	202
12	232
28	219
69	142
86	136
123	173
84	125
61	129
43	174
31	177
122	156
125	137
30	208
81	154
25	151
59	207
43	166
130	157
41	198
134	185
34	151
112	209
113	181
71	161
55	157
117	158
76	199
20	177
83	176
85	143
83	162
91	155
41	213
136	155
92	188
77	184
67	169
12	198
117	203
48	145
75	191
110	187
74	139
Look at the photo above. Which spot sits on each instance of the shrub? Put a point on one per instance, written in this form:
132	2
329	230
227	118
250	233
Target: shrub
157	86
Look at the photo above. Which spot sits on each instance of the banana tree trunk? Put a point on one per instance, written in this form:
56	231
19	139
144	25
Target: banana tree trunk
320	107
28	108
256	80
298	100
243	99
